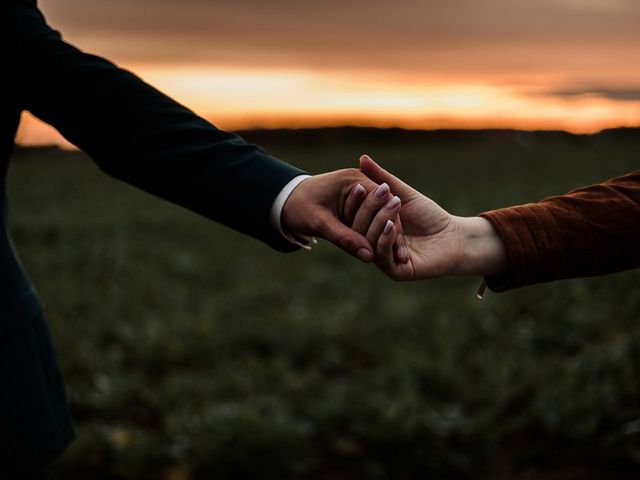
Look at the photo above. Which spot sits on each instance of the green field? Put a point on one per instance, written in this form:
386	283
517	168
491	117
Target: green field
192	352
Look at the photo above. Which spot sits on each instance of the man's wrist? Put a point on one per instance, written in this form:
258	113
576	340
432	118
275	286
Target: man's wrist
276	212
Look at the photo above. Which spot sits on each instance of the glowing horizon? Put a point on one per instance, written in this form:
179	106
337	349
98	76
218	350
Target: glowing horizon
552	64
239	99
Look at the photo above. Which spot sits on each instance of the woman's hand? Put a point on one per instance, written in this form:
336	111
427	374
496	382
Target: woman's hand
420	239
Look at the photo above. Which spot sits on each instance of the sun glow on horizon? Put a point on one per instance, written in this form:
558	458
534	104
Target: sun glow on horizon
234	98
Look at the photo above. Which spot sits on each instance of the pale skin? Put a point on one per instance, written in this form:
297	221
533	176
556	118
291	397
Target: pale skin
420	239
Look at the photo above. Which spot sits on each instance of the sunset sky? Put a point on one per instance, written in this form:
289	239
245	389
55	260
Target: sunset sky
531	64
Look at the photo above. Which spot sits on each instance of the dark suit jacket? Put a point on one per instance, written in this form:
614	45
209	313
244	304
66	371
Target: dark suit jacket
134	133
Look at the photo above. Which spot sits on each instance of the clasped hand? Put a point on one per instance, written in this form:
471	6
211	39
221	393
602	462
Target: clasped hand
376	217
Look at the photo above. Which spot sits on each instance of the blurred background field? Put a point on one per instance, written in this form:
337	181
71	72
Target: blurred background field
192	352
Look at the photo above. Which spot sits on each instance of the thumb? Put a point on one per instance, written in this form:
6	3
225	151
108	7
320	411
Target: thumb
348	240
379	175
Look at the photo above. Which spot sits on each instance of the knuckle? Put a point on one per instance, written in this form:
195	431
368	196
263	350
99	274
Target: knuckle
318	224
344	240
352	172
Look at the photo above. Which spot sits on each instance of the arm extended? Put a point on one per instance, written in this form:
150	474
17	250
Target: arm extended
139	135
594	230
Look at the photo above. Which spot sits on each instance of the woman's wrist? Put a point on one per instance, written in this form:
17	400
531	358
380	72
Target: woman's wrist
483	251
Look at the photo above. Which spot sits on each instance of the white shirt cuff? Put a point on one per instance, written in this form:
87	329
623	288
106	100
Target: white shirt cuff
276	213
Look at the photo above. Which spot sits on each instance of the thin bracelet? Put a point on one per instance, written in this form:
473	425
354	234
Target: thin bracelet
481	290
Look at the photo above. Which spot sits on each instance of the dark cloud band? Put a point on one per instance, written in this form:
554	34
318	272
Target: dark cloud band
622	94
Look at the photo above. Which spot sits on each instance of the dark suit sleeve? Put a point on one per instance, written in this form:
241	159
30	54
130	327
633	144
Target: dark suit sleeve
137	134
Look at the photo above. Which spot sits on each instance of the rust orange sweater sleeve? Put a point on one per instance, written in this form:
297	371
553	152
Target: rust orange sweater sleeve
594	230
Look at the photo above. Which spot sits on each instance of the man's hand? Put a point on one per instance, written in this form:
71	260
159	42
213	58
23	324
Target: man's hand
317	205
427	241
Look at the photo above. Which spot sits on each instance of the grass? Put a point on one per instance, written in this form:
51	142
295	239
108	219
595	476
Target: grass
192	352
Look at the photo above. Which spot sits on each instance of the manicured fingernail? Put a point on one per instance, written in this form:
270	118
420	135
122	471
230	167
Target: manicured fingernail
388	226
365	156
358	191
382	190
393	203
365	255
404	254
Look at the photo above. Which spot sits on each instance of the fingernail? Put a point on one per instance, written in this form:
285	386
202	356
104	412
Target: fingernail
393	203
365	255
388	226
365	156
404	254
358	191
382	190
